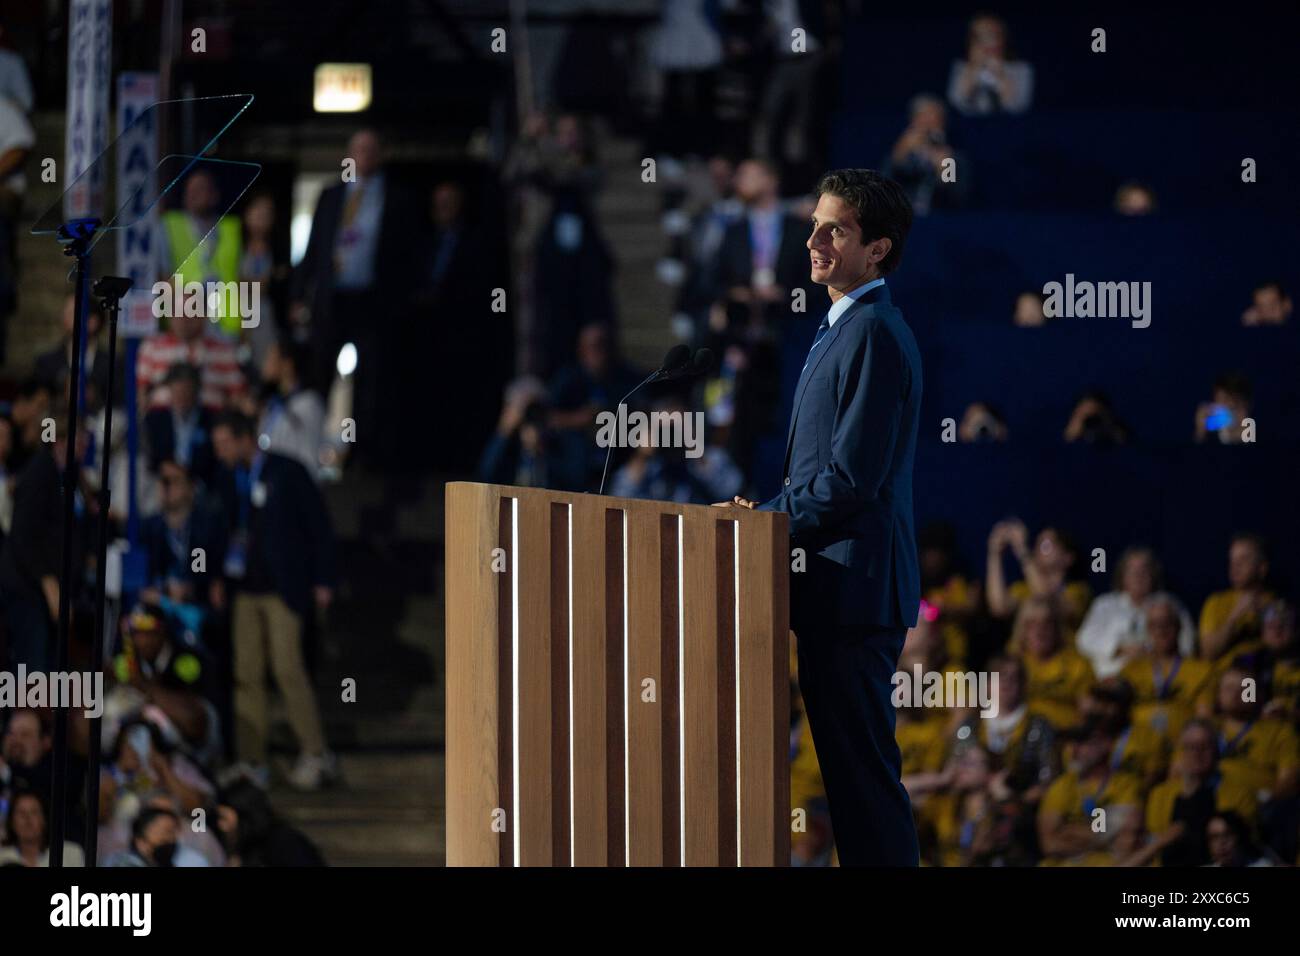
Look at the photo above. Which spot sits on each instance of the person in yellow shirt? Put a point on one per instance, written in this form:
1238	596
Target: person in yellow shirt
1023	745
954	597
1084	808
1137	750
1194	792
1277	662
1045	571
1166	685
1231	617
1056	675
1262	754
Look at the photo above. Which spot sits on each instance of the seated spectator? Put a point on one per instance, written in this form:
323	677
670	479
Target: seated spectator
190	340
1168	682
254	835
189	521
962	816
981	422
1138	749
181	430
155	834
52	366
157	669
1114	631
920	158
1085	808
1028	312
148	755
989	80
1230	842
1056	676
1270	305
25	761
668	474
294	417
525	451
1262	755
954	596
1045	572
1023	744
1135	199
1277	661
1222	419
1230	618
1178	810
27	834
194	848
1095	422
30	556
595	382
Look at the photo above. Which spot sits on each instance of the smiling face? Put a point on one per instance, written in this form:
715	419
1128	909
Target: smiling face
839	258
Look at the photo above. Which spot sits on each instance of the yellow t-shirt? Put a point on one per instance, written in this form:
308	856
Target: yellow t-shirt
1166	698
1253	754
1215	611
1227	796
1074	599
1143	752
1075	800
806	786
1053	687
955	592
1286	685
923	743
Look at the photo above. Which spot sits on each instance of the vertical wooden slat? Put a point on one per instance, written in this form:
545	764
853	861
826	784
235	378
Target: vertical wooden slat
725	549
616	691
700	678
589	690
764	696
645	717
504	545
533	692
472	716
561	845
669	691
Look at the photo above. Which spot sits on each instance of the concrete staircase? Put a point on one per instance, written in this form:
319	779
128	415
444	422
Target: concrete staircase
629	211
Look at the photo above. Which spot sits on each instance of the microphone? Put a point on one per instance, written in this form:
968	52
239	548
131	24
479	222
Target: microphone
678	363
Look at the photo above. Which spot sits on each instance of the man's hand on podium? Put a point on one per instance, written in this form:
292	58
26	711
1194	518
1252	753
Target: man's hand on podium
737	502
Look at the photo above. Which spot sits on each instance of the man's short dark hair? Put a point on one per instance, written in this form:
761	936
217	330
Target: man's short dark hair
1273	284
882	208
240	425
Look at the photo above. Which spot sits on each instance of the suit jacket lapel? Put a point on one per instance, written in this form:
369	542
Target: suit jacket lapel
878	294
813	361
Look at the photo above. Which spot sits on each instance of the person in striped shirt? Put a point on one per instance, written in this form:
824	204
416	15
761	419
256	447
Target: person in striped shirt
221	381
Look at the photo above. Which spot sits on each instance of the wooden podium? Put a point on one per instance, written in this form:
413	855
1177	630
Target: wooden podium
617	681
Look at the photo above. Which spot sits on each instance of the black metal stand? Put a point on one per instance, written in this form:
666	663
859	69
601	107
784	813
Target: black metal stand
76	236
109	290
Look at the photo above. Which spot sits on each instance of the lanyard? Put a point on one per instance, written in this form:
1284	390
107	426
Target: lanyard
1163	685
1117	757
245	482
1228	747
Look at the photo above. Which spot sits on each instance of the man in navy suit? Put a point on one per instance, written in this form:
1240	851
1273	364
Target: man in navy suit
848	490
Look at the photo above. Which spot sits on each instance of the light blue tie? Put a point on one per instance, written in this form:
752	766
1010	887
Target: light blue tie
817	340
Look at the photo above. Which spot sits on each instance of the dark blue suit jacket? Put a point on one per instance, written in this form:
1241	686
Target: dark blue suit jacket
848	474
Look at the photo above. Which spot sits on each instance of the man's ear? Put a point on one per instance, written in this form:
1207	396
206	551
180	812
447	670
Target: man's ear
877	249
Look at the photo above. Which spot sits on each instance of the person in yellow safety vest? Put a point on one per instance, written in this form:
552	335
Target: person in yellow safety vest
217	258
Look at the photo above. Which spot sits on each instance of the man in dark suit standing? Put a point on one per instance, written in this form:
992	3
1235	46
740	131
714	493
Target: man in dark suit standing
848	491
355	283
